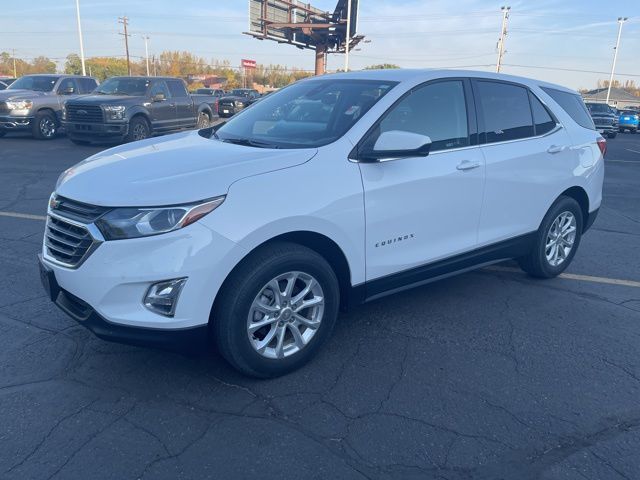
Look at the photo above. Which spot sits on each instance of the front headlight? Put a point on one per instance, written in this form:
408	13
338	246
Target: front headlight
239	103
114	112
19	104
121	223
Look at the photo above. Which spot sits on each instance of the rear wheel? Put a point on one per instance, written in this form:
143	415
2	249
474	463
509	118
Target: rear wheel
612	135
203	121
45	125
138	129
276	310
556	241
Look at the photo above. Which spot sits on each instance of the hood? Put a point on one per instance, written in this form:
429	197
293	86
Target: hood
108	99
233	98
18	94
175	169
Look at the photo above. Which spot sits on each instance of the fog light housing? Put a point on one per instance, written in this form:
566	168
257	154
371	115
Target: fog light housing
162	297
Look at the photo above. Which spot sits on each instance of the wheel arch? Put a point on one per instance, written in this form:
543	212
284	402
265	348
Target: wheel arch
317	242
579	194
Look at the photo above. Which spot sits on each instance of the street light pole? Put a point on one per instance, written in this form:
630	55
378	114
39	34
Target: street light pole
146	51
621	20
347	37
84	70
503	34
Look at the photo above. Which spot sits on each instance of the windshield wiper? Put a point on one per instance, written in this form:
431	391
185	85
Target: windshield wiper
248	142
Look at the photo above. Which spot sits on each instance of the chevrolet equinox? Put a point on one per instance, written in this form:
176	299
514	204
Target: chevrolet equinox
334	191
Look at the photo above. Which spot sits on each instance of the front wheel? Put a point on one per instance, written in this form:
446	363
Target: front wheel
612	135
275	310
556	241
45	126
138	129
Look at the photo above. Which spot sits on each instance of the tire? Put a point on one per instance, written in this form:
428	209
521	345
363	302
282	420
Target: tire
139	129
203	120
537	263
612	135
79	142
248	286
45	126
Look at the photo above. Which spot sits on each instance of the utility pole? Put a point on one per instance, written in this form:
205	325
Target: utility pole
503	34
347	38
13	55
621	20
125	21
146	51
84	70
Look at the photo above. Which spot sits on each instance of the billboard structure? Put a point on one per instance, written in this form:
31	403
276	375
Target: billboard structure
306	27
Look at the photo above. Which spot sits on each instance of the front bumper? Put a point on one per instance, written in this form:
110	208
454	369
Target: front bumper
187	340
11	122
226	111
114	279
96	131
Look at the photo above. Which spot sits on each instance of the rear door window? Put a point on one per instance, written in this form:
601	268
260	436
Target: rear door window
573	105
505	110
177	88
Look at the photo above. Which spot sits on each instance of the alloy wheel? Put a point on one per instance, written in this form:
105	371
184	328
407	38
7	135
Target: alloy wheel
560	238
139	132
285	315
47	127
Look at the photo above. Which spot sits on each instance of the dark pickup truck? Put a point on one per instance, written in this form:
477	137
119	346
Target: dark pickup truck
237	100
135	108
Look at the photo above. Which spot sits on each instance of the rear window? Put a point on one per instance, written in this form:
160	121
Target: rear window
572	104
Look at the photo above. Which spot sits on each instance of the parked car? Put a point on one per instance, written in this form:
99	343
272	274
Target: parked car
337	190
34	102
237	100
135	108
629	120
604	118
5	82
216	92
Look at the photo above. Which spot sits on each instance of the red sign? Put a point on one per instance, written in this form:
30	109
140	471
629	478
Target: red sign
248	63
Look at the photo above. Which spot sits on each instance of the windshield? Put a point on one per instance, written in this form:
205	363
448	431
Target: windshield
598	108
311	113
205	91
32	82
124	86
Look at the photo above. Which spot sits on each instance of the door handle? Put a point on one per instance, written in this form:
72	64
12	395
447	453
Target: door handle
555	149
467	165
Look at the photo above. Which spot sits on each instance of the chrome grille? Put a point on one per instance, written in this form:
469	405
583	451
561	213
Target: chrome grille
84	113
78	211
67	242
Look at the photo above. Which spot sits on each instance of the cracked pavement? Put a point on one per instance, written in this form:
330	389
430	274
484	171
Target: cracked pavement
488	375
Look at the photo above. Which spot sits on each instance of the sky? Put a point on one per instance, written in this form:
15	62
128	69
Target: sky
546	39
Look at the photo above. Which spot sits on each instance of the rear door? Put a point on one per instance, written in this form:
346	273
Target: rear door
528	156
185	111
423	209
163	112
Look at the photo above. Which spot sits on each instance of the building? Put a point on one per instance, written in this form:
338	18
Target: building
618	97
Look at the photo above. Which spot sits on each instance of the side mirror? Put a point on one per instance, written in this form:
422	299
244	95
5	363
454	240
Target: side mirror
68	91
159	97
398	144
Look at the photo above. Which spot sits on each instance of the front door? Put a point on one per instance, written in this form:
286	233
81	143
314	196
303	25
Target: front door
163	112
423	209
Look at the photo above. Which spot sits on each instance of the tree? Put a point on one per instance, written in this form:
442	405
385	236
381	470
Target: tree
382	66
42	65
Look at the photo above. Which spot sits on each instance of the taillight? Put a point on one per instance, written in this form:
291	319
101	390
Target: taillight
602	145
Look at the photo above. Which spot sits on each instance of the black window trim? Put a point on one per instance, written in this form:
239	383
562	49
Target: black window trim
472	118
549	112
482	134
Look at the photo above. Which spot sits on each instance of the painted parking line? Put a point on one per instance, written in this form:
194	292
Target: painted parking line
574	276
27	216
634	151
622	161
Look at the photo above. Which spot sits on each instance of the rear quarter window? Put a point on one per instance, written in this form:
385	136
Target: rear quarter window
572	104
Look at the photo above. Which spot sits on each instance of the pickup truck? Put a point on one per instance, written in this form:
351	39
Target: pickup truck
237	99
604	118
34	102
134	108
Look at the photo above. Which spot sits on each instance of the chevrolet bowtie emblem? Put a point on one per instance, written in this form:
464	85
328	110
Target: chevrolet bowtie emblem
54	203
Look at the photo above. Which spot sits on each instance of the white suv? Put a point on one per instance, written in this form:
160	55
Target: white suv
336	190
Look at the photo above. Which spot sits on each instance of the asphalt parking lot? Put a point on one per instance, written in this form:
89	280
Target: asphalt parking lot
489	375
